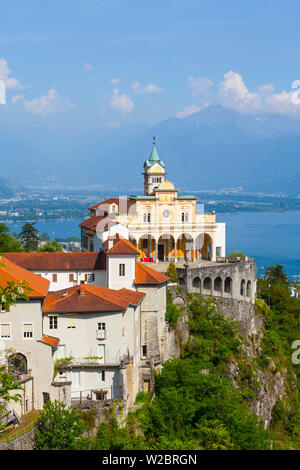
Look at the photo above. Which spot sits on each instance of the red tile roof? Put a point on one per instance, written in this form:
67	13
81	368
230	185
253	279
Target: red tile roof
13	273
123	247
95	299
51	340
92	222
146	275
112	200
59	261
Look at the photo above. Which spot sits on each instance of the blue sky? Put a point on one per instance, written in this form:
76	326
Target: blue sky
113	63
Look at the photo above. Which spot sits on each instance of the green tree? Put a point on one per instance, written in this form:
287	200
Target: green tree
275	274
52	246
172	272
236	254
29	237
7	242
8	384
58	427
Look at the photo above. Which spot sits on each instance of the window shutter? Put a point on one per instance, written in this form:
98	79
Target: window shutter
85	277
54	277
27	328
5	331
71	277
71	323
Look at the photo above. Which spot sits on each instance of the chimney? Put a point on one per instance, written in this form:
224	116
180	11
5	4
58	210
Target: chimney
110	242
82	288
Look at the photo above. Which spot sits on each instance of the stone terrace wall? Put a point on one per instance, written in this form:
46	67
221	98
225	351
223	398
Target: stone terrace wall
228	280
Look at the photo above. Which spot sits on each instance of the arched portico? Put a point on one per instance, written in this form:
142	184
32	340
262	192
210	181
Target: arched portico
146	246
184	246
165	247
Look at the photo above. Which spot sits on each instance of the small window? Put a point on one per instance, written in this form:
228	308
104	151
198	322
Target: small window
71	322
71	277
54	277
27	330
121	269
101	375
5	331
91	277
184	217
144	350
101	326
53	323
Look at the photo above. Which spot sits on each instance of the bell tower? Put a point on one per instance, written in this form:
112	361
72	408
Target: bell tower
154	171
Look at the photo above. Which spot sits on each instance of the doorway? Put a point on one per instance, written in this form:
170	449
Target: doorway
161	252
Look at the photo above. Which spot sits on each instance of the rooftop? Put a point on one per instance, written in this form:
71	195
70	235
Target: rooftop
11	272
86	298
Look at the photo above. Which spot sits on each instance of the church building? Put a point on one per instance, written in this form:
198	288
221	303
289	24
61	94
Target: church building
161	223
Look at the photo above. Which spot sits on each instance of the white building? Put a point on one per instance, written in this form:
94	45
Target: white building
106	313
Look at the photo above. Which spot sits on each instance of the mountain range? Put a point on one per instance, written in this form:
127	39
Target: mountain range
213	149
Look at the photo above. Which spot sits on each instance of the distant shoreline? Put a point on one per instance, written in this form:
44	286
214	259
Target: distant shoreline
238	211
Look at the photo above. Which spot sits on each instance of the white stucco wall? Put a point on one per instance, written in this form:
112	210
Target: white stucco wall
114	280
63	278
220	237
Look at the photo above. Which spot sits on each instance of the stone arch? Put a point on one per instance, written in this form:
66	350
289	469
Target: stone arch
147	245
243	288
206	251
184	248
181	281
132	239
218	284
228	285
17	364
207	284
196	284
165	247
249	289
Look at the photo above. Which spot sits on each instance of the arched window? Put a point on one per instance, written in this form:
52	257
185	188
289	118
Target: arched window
218	284
196	283
17	364
248	289
243	287
227	285
207	283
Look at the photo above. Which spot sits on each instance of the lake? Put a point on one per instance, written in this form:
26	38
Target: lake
270	237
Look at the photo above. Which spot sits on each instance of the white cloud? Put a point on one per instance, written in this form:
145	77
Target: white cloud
5	72
234	93
113	124
266	89
187	111
87	67
47	104
122	103
16	98
199	85
114	81
150	88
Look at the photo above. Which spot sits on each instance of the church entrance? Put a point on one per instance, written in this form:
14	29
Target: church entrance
161	252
